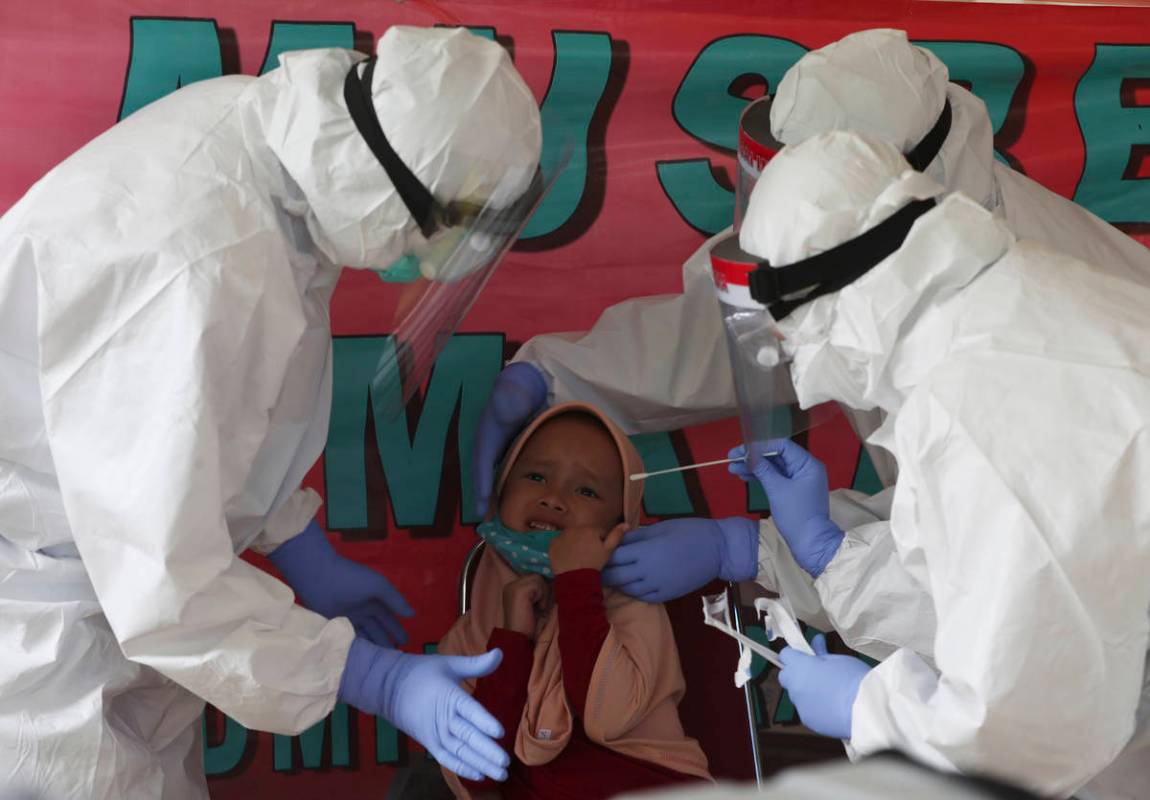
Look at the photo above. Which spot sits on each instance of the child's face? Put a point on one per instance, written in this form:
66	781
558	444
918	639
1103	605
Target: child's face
568	474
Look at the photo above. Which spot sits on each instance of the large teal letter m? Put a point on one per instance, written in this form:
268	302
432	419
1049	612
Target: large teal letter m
412	463
167	54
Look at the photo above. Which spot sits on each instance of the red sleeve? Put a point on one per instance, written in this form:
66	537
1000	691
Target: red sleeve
583	629
504	692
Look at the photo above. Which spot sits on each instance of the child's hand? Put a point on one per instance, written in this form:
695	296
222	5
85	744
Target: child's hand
524	601
584	548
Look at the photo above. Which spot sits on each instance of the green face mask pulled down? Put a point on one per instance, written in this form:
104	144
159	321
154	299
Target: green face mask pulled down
402	270
525	551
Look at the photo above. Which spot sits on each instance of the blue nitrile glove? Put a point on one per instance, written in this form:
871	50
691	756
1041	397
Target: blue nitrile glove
796	484
823	687
421	696
675	557
334	586
519	393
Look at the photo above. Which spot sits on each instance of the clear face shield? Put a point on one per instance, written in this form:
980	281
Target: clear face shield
768	408
428	290
756	146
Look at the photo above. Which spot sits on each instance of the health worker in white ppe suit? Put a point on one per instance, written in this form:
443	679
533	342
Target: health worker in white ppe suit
1007	597
660	363
165	384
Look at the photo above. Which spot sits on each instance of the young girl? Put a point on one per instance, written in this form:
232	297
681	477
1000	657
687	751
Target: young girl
590	683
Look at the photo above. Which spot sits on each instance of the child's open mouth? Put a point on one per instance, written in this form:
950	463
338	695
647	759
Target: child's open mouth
535	525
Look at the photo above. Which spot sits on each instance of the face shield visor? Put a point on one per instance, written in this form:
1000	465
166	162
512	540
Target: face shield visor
428	291
768	408
754	296
756	146
430	288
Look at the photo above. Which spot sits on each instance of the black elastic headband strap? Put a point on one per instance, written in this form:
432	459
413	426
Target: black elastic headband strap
357	95
832	270
924	152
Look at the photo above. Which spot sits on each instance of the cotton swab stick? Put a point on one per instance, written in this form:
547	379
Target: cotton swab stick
717	615
764	651
638	476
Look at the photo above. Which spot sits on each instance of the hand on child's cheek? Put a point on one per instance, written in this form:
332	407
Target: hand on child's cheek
584	548
524	601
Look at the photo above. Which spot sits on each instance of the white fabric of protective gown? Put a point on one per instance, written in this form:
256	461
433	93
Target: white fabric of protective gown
877	84
824	90
652	364
166	357
1015	381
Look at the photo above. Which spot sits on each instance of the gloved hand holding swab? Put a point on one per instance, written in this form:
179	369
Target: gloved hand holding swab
638	476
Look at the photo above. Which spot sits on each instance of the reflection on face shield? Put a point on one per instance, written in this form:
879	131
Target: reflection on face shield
476	239
445	274
755	332
447	262
454	252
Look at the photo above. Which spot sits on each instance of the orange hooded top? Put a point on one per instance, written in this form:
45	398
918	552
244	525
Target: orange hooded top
632	704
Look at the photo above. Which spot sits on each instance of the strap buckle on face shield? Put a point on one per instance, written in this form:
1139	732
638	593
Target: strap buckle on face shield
782	290
764	284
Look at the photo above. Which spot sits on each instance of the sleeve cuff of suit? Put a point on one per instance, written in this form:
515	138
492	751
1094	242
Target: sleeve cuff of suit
874	602
778	572
288	521
888	711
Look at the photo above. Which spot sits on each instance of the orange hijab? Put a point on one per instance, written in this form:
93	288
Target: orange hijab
632	704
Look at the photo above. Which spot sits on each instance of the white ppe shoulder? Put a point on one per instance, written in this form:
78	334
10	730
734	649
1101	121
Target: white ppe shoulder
1034	212
865	423
652	363
160	355
1023	510
288	521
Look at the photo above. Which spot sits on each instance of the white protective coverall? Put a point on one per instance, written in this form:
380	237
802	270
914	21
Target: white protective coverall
165	384
1016	386
873	82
